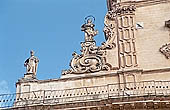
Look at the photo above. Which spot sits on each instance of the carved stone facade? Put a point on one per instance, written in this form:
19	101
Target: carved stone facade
119	33
120	25
165	50
125	25
92	58
128	71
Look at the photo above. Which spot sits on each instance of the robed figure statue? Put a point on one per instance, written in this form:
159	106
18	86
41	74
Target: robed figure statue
31	64
89	30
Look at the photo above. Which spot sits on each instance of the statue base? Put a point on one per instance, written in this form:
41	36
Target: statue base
28	77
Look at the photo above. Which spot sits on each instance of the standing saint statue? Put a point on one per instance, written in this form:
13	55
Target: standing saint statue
88	28
31	63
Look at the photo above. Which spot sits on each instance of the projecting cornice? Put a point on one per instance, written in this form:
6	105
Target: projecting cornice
137	3
143	3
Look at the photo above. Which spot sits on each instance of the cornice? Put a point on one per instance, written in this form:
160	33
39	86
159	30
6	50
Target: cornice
143	3
99	75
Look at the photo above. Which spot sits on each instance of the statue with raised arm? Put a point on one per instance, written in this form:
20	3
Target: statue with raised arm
89	30
31	63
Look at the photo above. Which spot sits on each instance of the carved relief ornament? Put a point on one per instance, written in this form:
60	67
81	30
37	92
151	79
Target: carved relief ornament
167	23
92	58
165	50
119	9
109	32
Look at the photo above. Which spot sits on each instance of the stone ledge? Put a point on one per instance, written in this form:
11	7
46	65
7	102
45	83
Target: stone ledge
149	102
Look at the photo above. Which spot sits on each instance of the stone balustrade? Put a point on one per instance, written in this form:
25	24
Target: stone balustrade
148	88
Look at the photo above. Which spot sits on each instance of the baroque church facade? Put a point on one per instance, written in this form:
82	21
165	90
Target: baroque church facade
129	71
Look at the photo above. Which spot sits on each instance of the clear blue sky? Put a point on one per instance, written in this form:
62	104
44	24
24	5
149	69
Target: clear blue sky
49	27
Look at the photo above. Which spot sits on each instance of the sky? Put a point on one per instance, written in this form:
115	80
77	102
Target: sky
49	27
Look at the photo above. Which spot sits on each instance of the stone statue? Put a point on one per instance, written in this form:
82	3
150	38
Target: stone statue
31	63
88	28
92	58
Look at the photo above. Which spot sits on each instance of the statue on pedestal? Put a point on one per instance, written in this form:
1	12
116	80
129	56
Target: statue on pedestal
31	64
92	58
88	28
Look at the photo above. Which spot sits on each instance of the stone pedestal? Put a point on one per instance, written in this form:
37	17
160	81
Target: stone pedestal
28	77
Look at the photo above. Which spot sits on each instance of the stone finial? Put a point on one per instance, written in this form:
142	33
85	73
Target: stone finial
31	64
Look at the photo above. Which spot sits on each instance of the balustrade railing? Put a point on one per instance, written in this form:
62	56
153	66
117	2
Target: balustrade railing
147	88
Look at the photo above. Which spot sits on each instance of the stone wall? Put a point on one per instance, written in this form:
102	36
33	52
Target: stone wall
94	80
137	64
152	36
151	63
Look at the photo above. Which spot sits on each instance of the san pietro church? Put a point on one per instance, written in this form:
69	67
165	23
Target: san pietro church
128	71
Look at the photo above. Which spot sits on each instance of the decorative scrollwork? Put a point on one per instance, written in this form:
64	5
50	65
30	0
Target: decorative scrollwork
125	9
119	9
86	64
109	34
92	58
110	21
